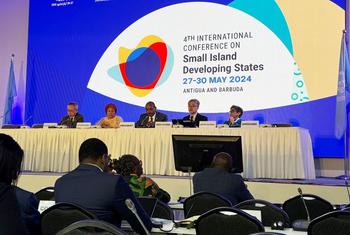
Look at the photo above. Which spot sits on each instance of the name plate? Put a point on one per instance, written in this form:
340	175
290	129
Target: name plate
163	124
249	124
222	126
127	125
50	125
83	125
207	124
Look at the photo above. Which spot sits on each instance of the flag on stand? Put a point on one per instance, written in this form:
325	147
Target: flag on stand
343	91
11	93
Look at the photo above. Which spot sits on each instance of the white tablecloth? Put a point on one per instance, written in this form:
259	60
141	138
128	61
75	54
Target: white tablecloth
284	153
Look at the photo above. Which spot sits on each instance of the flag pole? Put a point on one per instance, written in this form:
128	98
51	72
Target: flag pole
346	157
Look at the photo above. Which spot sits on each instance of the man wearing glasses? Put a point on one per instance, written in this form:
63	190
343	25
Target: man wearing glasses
194	117
73	116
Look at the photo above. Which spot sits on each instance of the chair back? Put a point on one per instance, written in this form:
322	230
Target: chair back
87	227
47	194
270	213
335	223
61	215
227	221
202	202
316	205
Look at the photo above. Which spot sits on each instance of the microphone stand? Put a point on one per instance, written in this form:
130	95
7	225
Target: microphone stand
302	224
143	120
131	206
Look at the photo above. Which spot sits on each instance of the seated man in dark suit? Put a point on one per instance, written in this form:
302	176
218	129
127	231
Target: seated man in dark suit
218	179
194	116
101	193
10	215
148	119
73	116
235	120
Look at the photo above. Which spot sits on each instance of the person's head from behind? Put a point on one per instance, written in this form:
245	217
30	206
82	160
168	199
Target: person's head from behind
236	112
11	155
222	160
150	108
93	151
111	110
193	106
72	109
128	164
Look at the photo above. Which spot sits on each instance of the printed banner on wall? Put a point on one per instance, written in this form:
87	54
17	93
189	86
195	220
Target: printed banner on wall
277	59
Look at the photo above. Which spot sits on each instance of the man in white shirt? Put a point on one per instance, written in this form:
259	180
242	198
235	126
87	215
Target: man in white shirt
148	119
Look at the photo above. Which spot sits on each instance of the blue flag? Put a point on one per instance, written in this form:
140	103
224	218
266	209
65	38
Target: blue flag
10	95
343	91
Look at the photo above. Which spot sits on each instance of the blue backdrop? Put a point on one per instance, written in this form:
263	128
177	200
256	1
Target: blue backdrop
65	44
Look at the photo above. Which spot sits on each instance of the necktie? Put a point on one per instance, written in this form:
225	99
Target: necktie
151	119
191	118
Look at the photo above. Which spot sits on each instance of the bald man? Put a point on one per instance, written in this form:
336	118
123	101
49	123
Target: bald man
219	179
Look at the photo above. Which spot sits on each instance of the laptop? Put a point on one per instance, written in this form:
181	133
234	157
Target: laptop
148	204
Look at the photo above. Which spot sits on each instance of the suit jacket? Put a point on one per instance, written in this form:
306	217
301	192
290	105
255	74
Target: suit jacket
101	193
143	120
197	119
10	219
72	124
222	182
28	205
237	123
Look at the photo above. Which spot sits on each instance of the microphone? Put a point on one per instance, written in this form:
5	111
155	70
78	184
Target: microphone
301	224
131	206
143	120
25	122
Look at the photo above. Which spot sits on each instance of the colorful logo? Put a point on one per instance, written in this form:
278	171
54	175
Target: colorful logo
145	67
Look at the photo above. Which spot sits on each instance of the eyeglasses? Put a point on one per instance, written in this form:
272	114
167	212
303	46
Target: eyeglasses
107	158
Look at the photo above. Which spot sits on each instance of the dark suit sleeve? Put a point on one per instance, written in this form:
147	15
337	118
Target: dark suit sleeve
80	118
32	214
163	118
243	192
140	121
123	191
63	120
10	215
186	117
